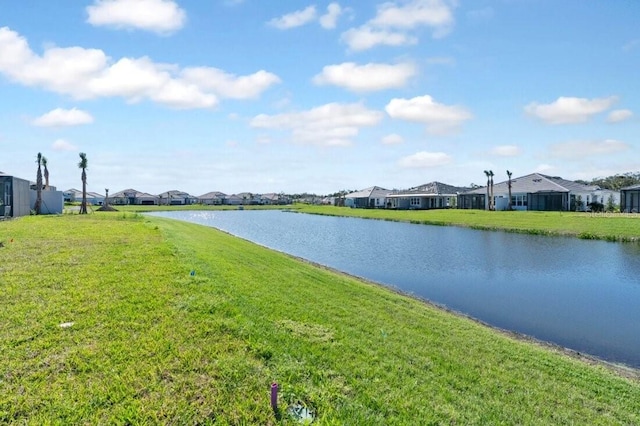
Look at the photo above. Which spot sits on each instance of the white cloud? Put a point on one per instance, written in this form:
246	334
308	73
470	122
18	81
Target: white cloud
160	16
392	139
566	110
366	78
436	14
424	159
366	37
294	19
63	145
619	115
332	124
581	149
394	20
63	117
330	19
506	151
90	73
228	85
439	118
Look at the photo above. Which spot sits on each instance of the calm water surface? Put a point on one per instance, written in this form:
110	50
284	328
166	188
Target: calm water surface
584	295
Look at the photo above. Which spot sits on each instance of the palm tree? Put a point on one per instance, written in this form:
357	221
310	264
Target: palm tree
486	172
492	203
509	174
38	204
83	165
46	173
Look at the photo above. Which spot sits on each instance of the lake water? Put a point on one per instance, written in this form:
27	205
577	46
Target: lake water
580	294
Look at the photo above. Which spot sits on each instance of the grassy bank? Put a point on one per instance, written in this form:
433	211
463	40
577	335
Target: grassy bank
603	226
101	321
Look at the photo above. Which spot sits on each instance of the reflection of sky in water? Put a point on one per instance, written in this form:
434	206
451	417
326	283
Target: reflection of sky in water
577	293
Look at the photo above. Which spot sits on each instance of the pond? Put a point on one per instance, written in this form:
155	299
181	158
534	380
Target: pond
579	294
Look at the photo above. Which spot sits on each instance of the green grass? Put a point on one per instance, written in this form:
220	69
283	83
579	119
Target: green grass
152	344
603	226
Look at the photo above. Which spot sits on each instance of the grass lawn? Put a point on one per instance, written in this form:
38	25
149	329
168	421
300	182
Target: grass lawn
605	226
103	322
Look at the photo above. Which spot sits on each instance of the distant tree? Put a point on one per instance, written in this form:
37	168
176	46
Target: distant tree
83	165
46	172
509	174
38	204
579	203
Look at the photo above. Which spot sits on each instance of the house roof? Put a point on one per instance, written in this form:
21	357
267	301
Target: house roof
428	189
212	195
132	193
175	194
371	192
533	183
630	188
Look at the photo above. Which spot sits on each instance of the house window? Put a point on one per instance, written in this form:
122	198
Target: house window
414	201
519	200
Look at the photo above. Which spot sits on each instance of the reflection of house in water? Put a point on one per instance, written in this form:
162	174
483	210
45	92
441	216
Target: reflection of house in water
538	192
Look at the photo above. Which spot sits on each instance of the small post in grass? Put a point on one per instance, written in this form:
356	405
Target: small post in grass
274	398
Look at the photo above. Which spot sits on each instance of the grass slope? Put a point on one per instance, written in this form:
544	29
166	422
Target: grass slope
150	343
603	226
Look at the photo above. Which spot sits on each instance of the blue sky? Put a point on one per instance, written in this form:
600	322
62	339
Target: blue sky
296	96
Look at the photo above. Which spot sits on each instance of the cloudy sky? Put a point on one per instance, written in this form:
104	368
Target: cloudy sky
295	96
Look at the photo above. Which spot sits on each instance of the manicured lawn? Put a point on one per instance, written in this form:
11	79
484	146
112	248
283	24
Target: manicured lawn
606	226
123	319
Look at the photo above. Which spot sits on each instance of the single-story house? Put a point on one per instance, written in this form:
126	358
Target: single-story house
132	196
213	198
15	197
370	198
75	195
630	199
175	197
537	192
434	195
235	200
249	198
274	199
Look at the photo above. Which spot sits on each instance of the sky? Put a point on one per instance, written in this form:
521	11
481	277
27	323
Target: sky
296	96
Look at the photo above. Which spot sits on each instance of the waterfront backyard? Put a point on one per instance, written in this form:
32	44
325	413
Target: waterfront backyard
120	318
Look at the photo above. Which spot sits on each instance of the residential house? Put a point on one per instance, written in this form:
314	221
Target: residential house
274	199
75	195
133	196
249	198
434	195
536	191
630	199
235	200
175	197
213	198
15	198
372	197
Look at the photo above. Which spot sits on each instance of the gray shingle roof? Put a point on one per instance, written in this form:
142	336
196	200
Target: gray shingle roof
371	192
431	188
533	183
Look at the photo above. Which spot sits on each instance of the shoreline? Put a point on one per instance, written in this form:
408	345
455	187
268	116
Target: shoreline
622	370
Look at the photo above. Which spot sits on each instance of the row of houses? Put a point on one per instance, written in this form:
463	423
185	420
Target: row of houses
534	191
134	197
